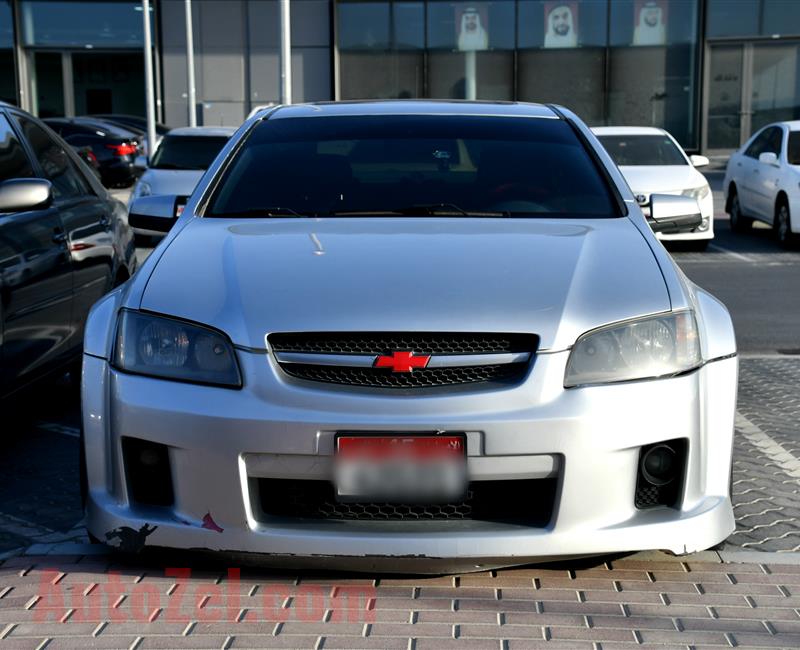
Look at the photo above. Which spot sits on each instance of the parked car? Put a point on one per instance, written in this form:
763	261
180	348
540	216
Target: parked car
653	162
139	125
762	182
64	242
180	162
115	148
134	121
410	336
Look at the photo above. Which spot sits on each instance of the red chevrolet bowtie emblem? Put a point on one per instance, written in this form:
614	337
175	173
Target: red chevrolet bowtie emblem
402	361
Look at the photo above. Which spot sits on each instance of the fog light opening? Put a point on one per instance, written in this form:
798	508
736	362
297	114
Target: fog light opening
148	471
660	474
659	465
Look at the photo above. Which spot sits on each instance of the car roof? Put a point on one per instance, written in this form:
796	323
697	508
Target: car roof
627	130
205	131
410	107
91	124
114	128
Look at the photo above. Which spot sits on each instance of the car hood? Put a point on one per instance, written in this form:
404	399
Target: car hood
554	278
180	182
669	179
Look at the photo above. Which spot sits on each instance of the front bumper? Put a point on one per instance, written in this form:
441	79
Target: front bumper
221	441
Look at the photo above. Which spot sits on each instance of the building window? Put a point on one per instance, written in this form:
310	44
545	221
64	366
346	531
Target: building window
610	61
652	72
753	18
471	43
562	55
8	90
381	49
82	24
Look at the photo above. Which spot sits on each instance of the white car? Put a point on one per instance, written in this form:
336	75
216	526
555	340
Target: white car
762	181
653	162
180	161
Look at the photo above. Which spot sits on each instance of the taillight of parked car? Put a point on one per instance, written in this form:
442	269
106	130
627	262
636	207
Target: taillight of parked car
127	149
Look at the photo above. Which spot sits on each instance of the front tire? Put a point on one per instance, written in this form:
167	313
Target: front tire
739	223
783	225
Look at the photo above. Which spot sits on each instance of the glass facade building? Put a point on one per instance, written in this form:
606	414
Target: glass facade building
709	71
602	58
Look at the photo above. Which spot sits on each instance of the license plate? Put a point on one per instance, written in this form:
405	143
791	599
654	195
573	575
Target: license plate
400	468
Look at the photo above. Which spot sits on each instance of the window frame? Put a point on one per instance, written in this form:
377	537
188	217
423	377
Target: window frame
32	162
89	190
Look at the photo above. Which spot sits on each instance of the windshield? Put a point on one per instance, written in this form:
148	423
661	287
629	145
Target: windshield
187	152
416	165
635	150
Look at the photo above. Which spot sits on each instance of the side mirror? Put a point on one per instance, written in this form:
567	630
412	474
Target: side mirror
672	214
156	213
699	161
768	158
20	194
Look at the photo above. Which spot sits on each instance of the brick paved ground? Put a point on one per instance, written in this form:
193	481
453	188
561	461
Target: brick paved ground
766	476
73	602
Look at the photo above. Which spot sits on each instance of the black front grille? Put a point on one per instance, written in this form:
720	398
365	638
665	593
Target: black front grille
388	342
528	502
420	343
420	378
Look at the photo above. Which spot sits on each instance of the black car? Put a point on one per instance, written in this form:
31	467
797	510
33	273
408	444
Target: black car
131	121
64	242
137	125
115	147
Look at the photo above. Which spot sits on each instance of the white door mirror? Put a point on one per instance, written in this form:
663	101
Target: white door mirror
768	158
699	161
672	214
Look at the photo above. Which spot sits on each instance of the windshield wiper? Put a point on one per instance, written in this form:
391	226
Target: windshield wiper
260	213
430	209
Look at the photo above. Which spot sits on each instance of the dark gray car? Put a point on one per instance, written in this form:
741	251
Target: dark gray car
64	242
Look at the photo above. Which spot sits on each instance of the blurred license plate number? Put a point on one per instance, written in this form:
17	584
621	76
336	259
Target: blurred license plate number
401	469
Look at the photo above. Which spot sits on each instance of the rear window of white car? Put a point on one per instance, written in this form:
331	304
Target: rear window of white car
635	150
414	165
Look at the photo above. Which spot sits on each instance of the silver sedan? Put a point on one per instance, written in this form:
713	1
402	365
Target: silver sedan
410	336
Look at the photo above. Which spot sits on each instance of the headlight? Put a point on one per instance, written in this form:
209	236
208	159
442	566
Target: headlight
171	349
642	349
698	193
142	189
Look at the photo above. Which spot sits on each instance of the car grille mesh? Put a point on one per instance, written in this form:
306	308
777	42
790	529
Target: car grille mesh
523	501
385	343
419	343
420	378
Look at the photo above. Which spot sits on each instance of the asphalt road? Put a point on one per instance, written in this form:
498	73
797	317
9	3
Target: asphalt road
757	279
